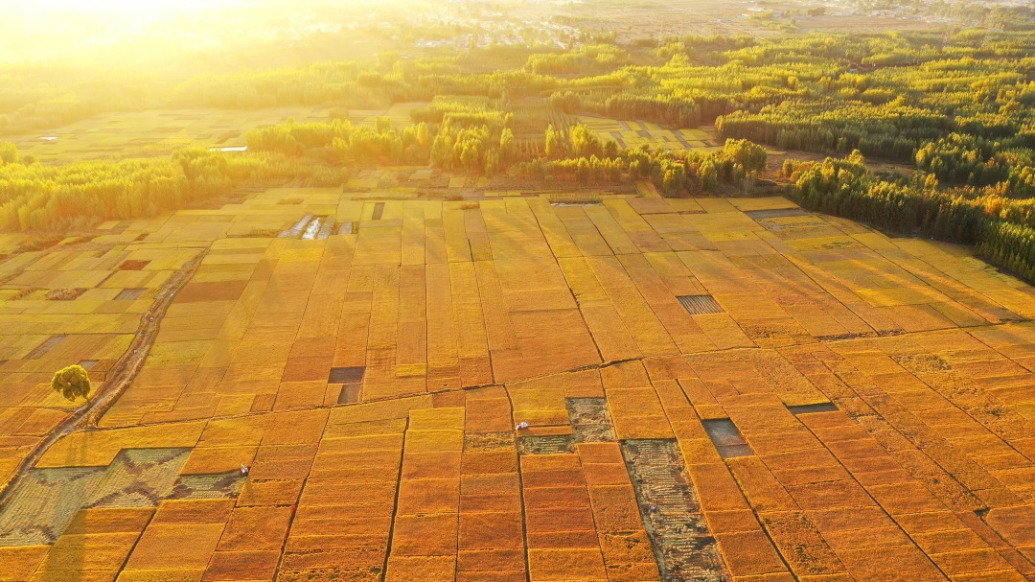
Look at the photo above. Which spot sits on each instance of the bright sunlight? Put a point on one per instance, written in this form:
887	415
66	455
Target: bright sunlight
119	6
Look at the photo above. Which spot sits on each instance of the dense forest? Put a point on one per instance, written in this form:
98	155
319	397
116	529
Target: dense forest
954	108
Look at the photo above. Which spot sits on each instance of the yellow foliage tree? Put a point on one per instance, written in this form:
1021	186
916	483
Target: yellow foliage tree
72	382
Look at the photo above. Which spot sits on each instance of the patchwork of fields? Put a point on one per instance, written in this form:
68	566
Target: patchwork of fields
707	389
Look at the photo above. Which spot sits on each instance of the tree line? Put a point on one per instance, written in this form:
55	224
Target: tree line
458	136
580	156
34	196
1002	229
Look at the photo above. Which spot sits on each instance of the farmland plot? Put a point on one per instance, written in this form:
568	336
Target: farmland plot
703	389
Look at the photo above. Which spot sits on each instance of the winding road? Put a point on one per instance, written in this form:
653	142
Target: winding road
120	377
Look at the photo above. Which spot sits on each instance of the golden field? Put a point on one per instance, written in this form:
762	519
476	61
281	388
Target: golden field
633	134
468	317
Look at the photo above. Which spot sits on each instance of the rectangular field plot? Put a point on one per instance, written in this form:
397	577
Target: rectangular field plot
633	134
699	304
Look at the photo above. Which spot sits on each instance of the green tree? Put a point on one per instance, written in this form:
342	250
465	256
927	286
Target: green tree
552	142
423	134
583	142
72	382
788	168
672	182
8	153
507	148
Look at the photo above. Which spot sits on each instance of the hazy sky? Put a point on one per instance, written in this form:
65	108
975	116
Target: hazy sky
43	30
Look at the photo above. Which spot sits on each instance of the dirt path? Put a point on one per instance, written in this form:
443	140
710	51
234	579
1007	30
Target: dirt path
120	377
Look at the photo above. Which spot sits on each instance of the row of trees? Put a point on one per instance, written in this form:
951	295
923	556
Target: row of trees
40	197
1011	246
580	156
669	110
342	143
874	130
457	136
579	61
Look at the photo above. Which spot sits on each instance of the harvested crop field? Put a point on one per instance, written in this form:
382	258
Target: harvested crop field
519	386
631	134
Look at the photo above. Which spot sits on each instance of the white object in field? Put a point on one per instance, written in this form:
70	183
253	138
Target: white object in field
521	425
245	469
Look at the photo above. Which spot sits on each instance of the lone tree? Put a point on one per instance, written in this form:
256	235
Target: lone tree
72	382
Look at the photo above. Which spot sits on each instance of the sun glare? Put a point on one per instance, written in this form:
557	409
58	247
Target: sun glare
118	6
